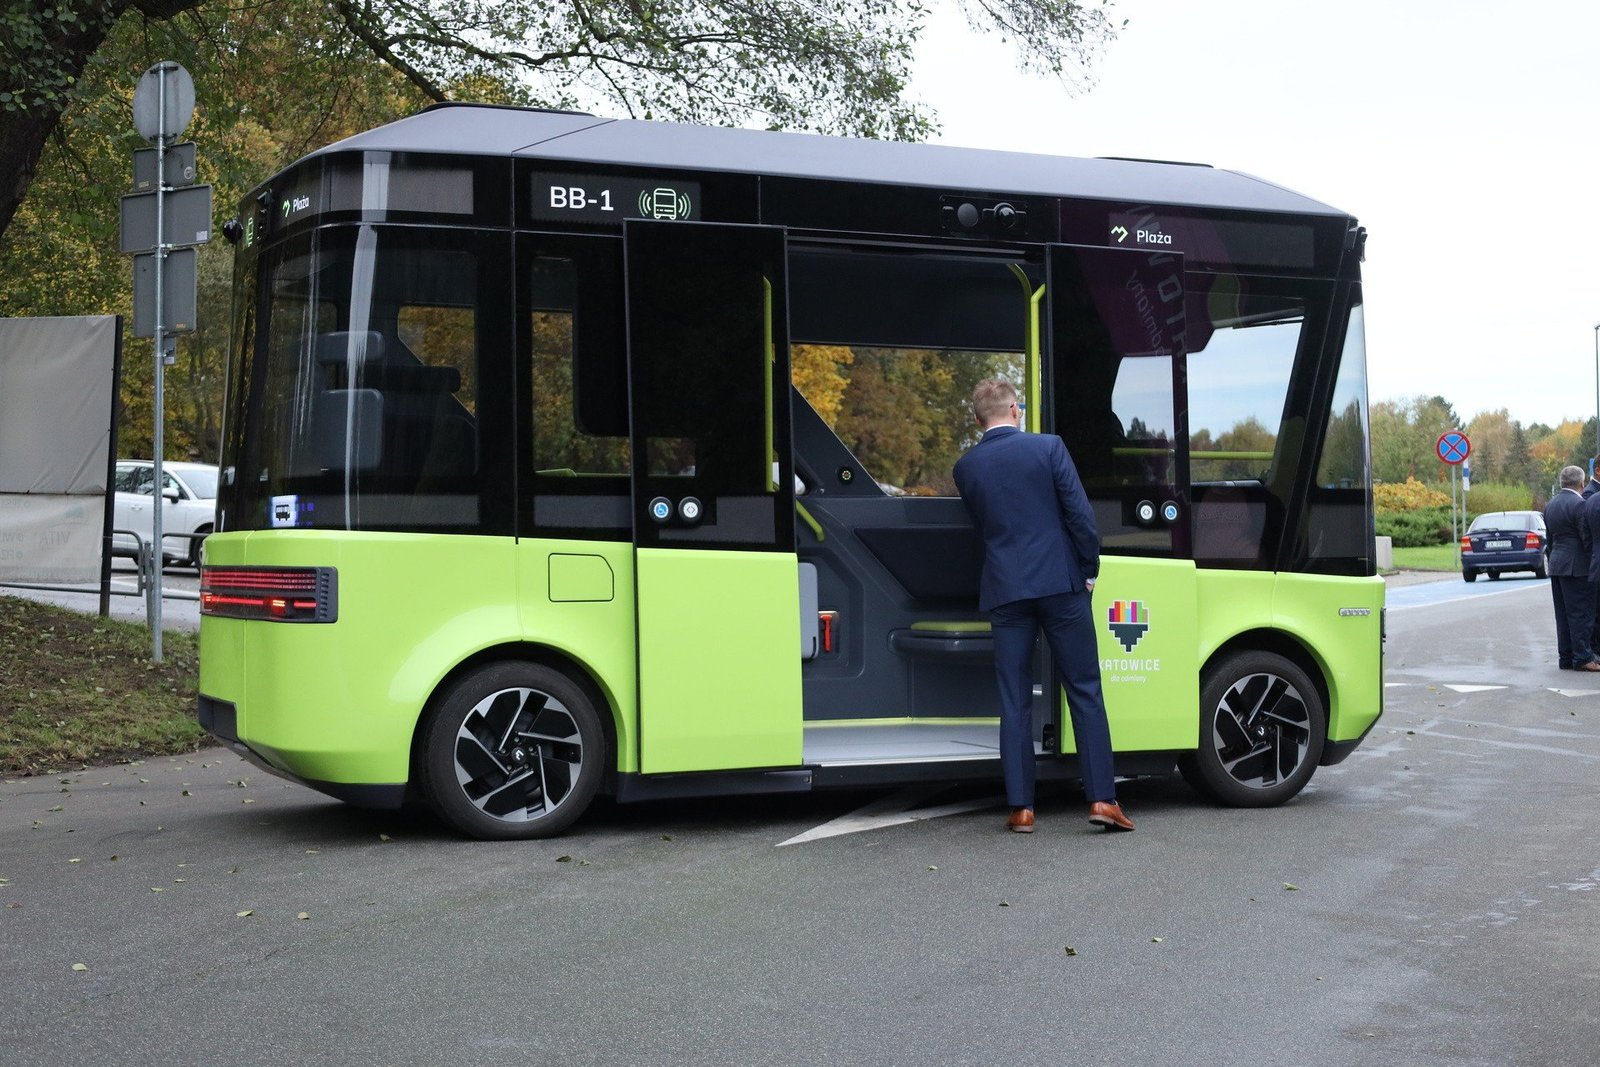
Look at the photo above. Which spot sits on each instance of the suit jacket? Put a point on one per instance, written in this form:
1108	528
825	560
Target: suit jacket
1569	535
1591	489
1030	509
1591	522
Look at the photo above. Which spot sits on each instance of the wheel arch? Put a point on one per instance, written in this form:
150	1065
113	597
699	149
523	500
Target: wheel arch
1291	648
522	652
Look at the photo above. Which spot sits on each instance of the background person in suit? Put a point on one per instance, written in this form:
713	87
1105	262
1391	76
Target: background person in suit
1573	596
1041	554
1593	485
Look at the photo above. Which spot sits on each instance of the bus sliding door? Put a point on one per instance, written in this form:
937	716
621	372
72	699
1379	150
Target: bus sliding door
1115	374
713	497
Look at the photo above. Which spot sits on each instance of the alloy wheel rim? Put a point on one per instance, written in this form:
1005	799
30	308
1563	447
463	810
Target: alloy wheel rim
518	754
1261	731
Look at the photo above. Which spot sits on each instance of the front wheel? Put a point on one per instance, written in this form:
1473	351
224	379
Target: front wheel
1262	728
194	547
512	750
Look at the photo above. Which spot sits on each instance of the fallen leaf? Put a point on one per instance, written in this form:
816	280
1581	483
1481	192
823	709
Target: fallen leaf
666	837
74	861
1290	887
80	966
246	913
1005	904
187	793
931	867
1156	940
563	859
157	889
246	800
303	915
312	851
115	859
58	807
1071	951
383	837
179	881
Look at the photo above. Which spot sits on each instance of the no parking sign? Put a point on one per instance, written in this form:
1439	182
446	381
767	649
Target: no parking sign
1453	447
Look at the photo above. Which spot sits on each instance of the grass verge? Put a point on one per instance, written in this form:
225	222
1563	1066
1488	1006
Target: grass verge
78	689
1427	558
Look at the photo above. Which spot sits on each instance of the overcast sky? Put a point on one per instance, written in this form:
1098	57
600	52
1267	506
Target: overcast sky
1464	135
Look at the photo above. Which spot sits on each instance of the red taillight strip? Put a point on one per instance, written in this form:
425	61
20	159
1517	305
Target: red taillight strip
277	594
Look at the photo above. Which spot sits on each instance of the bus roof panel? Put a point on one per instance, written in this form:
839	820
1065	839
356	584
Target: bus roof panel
578	139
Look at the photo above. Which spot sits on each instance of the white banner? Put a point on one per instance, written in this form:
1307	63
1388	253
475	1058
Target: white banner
51	539
57	386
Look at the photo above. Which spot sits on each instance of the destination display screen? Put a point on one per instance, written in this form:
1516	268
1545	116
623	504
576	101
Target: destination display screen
599	198
1212	240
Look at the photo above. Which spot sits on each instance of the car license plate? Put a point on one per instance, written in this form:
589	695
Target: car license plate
1497	544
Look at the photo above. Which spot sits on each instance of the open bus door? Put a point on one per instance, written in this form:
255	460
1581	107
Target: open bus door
1116	376
713	497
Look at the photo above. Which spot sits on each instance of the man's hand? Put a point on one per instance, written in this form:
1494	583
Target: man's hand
1088	583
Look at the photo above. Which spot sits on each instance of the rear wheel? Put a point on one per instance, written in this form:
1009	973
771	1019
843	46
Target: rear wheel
1494	576
1539	571
1262	728
1468	574
513	750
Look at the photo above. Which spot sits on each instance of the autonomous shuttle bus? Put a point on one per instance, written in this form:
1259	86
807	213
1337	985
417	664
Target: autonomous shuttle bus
567	455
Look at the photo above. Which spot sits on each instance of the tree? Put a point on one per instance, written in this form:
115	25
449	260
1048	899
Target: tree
840	67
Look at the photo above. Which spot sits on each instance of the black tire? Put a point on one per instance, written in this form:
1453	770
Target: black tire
194	547
1262	729
512	750
1468	574
1494	576
1540	572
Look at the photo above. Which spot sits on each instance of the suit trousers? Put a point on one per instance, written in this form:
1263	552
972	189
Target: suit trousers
1574	601
1067	620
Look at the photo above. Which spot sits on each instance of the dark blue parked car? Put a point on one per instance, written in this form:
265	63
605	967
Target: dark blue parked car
1500	541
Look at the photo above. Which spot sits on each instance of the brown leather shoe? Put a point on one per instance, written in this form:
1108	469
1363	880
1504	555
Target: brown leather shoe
1108	813
1021	821
1592	665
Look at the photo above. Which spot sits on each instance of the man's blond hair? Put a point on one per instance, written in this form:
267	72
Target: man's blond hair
990	399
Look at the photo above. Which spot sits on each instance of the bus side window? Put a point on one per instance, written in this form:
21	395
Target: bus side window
570	312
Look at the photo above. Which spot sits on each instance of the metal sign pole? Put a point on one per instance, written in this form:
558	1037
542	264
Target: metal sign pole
153	612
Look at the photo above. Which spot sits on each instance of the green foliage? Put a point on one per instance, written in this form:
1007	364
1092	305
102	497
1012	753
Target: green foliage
1485	497
41	74
1416	528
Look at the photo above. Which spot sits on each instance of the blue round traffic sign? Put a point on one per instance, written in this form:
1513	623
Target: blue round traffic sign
1453	446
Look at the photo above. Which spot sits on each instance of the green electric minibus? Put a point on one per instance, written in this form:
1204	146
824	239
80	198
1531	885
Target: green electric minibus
567	455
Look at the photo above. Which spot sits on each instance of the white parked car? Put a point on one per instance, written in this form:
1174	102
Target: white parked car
189	492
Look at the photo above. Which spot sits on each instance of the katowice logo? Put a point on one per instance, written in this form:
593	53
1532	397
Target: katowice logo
1128	620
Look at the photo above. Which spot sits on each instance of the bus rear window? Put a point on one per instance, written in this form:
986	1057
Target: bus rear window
361	404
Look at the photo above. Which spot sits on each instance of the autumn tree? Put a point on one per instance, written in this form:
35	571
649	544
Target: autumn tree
783	64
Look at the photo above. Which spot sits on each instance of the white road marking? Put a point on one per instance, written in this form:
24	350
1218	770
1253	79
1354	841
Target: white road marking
1577	692
893	810
1394	685
1475	688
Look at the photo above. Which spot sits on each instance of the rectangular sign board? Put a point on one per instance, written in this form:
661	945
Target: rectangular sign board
177	293
179	168
187	218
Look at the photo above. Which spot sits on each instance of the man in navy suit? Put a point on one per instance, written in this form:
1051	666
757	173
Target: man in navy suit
1568	566
1041	556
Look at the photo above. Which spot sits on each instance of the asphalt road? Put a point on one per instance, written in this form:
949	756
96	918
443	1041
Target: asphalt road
1445	909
